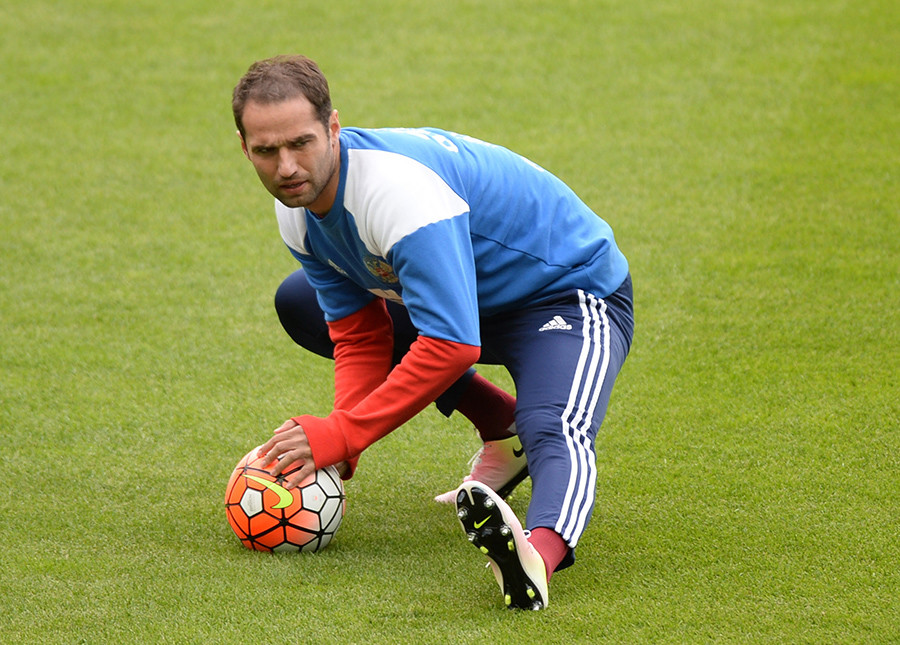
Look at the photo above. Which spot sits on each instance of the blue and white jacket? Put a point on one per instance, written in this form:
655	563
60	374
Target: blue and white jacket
452	227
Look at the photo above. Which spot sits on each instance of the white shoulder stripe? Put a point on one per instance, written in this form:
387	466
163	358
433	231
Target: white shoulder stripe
391	196
292	224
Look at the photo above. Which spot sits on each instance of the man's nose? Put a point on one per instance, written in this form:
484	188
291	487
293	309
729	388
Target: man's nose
287	166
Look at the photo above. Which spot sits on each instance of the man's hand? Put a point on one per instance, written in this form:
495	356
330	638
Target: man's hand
289	443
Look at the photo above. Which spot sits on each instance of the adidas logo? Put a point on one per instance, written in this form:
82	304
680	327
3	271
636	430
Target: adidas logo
557	323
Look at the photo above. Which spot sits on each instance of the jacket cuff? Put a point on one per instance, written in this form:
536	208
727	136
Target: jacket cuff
328	448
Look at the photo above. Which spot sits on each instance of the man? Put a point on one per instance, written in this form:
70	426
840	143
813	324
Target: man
423	252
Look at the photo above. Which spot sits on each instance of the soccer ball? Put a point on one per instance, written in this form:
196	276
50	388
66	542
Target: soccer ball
267	517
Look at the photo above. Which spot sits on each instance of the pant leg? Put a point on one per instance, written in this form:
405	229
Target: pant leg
304	321
301	316
564	356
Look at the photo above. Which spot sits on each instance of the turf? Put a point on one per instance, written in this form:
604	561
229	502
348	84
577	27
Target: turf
746	153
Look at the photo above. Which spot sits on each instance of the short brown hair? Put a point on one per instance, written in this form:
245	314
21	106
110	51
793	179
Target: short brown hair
282	78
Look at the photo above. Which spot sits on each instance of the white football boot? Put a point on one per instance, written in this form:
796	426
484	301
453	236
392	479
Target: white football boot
500	464
492	526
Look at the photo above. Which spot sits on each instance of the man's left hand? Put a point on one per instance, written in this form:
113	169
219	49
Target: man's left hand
287	447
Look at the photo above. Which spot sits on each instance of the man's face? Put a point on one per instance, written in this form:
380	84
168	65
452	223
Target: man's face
295	156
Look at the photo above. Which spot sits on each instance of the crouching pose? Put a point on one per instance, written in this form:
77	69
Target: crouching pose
424	252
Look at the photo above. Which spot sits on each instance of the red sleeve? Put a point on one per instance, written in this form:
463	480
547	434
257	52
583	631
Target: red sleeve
363	350
427	370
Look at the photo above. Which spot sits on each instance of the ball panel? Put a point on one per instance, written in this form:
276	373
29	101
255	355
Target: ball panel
331	514
251	502
316	545
239	522
270	539
313	497
286	547
306	520
235	488
299	536
330	481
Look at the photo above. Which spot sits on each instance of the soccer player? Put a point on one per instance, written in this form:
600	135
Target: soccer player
424	252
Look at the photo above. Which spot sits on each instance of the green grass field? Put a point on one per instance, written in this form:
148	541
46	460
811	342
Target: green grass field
747	154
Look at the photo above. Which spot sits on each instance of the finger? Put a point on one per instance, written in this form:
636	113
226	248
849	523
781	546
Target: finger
309	467
287	425
271	448
276	465
273	454
286	453
283	457
264	449
272	457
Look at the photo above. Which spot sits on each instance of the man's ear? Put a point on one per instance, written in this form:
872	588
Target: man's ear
334	124
243	144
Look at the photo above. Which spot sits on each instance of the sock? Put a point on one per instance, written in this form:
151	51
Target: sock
490	409
550	545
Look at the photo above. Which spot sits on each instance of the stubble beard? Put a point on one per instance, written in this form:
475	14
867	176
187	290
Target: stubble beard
305	201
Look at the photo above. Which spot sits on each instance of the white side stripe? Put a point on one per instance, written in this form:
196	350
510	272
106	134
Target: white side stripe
602	333
591	371
570	404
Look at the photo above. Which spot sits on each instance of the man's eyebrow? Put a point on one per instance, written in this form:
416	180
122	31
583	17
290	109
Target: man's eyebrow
299	140
303	138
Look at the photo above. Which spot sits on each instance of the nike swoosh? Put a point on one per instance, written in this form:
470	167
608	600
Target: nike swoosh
518	453
285	498
478	525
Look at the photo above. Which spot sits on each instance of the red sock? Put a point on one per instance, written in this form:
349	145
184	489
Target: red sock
490	409
551	546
